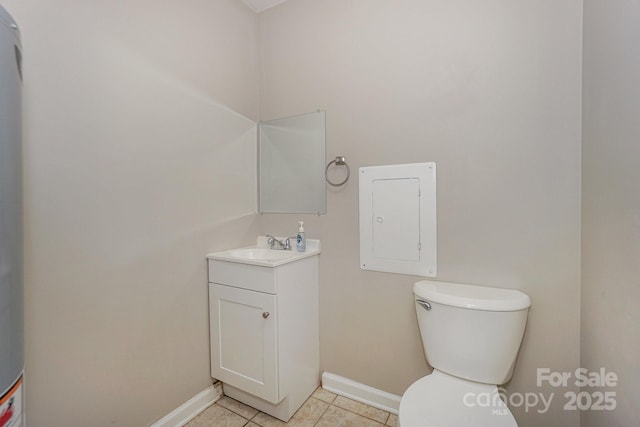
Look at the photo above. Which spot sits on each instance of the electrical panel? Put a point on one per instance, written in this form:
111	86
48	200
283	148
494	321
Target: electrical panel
398	219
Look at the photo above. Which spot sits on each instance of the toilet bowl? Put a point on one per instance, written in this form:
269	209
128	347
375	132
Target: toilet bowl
439	400
471	336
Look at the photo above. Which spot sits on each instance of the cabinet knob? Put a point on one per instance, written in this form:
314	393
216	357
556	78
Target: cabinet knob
265	314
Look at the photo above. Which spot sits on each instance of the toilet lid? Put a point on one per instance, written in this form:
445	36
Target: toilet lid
441	400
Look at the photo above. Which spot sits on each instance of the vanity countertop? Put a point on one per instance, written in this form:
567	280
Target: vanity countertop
261	255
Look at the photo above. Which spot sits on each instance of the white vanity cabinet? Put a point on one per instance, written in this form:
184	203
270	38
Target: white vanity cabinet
243	329
264	332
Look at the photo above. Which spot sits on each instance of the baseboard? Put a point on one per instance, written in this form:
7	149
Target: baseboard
361	392
191	408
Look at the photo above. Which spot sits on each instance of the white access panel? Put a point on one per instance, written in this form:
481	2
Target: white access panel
398	219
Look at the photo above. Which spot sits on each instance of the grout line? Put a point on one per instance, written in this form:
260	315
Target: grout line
248	420
384	423
323	412
234	412
364	416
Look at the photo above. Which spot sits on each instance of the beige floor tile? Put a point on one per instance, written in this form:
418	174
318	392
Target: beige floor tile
393	420
337	417
217	416
251	424
361	409
309	413
265	420
324	395
307	416
239	408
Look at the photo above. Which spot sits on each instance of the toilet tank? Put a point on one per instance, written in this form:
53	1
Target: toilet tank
472	332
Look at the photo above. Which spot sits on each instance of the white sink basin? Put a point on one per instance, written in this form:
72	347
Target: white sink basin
260	253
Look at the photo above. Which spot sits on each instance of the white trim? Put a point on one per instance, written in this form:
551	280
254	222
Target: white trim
191	408
361	392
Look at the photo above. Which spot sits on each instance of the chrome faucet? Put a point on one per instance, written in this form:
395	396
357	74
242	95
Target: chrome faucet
277	244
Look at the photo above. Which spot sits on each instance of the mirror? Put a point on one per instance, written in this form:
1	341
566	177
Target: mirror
291	162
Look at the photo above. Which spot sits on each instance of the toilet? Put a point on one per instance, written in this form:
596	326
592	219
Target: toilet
471	336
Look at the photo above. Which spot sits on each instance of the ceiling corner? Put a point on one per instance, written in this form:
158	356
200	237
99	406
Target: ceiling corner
262	5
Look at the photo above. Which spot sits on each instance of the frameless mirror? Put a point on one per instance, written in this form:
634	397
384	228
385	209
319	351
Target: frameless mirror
291	162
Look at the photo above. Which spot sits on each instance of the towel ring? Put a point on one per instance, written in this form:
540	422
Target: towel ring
339	161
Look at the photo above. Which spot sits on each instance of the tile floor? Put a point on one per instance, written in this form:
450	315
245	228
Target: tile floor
322	409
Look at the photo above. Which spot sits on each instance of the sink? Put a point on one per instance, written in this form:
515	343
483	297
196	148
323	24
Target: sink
262	255
259	253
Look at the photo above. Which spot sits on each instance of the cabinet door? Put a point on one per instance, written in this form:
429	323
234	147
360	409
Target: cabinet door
243	340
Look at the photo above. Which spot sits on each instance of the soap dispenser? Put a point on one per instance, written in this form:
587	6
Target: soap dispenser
301	242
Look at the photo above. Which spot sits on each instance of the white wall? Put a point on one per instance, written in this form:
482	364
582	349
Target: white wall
491	91
611	206
136	166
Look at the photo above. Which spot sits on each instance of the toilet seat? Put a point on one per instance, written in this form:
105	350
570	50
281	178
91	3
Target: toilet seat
442	400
